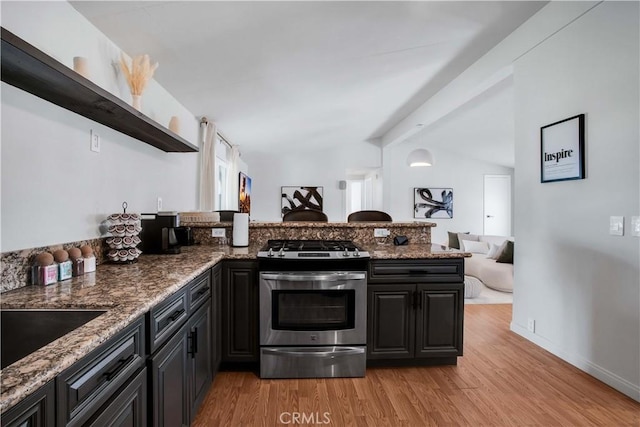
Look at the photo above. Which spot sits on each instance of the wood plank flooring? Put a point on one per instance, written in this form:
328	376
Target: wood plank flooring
502	380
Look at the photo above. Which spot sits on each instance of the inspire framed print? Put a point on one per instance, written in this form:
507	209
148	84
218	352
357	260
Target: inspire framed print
562	150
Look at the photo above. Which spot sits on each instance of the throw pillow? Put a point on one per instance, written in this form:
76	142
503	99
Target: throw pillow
453	239
475	247
494	251
507	253
468	236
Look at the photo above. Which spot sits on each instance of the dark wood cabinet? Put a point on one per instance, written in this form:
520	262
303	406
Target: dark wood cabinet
419	322
216	319
181	367
129	406
199	357
169	383
93	381
439	319
37	410
391	322
240	312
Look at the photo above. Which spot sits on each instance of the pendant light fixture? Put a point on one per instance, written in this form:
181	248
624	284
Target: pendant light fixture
420	157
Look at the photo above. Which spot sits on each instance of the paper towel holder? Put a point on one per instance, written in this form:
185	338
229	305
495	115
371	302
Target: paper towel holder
240	232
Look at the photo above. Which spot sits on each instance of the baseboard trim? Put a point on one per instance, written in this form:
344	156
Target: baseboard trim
598	372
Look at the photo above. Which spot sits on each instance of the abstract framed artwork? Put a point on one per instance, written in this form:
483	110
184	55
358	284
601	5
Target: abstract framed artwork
433	203
300	198
244	193
562	150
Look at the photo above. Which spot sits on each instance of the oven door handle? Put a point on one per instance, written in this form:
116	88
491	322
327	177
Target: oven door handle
325	277
338	352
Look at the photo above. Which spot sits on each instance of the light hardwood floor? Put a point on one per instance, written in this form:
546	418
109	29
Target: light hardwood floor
501	380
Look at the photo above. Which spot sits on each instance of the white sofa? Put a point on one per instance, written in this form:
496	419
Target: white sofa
495	275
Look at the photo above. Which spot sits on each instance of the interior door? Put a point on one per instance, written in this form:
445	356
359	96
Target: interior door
497	205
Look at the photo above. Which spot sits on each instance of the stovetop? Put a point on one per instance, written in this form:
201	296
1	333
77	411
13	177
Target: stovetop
311	249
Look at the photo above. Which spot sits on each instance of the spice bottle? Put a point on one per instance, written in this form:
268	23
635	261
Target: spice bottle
78	262
64	264
89	258
44	270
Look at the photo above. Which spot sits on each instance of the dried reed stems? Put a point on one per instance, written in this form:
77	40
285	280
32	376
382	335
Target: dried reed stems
139	74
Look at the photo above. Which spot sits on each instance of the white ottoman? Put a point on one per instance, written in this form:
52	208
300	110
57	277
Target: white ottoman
472	287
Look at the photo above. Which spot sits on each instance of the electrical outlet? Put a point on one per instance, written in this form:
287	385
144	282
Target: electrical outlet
95	141
616	225
635	226
380	232
218	232
159	204
531	325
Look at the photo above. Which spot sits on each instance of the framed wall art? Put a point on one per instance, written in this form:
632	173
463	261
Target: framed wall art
300	198
433	203
244	193
562	150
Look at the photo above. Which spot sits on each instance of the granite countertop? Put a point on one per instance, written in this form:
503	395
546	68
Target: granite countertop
311	224
127	292
413	251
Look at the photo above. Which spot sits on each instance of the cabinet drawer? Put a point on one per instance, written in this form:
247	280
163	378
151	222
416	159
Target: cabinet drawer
199	290
90	382
166	318
417	271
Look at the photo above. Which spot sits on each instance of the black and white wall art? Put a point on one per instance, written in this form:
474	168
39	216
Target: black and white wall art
300	198
433	202
562	150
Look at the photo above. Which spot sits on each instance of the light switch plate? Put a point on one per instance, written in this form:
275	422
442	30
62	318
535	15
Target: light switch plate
95	141
635	226
616	225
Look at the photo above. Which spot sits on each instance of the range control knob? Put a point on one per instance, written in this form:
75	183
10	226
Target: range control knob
356	252
270	253
346	252
281	253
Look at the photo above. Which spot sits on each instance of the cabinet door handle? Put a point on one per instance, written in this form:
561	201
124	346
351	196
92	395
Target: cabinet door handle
119	366
175	315
202	292
193	343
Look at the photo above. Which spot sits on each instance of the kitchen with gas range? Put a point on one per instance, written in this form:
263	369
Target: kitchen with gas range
180	295
281	307
168	292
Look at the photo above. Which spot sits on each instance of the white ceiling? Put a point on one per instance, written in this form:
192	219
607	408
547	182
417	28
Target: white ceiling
296	75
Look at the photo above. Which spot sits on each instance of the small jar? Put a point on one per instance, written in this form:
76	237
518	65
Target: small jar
64	264
89	259
44	270
77	267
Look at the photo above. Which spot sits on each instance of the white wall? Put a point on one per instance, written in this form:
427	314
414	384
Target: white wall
580	284
54	189
465	175
324	167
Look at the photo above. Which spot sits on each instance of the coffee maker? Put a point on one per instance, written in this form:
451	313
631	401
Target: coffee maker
159	233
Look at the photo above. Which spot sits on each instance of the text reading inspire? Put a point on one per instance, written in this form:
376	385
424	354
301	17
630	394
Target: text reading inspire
548	157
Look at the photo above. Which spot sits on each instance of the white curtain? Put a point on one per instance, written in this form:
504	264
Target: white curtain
208	181
234	179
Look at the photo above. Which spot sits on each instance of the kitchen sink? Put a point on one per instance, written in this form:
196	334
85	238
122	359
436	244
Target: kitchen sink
25	331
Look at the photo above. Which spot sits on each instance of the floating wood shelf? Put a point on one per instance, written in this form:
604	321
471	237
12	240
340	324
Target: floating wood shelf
33	71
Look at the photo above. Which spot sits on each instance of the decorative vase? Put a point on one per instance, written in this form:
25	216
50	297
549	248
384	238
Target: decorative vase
81	66
174	124
136	102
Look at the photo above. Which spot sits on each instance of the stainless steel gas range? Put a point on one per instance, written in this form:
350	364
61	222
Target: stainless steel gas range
313	309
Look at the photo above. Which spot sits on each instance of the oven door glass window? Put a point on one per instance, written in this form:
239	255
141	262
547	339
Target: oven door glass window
313	310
